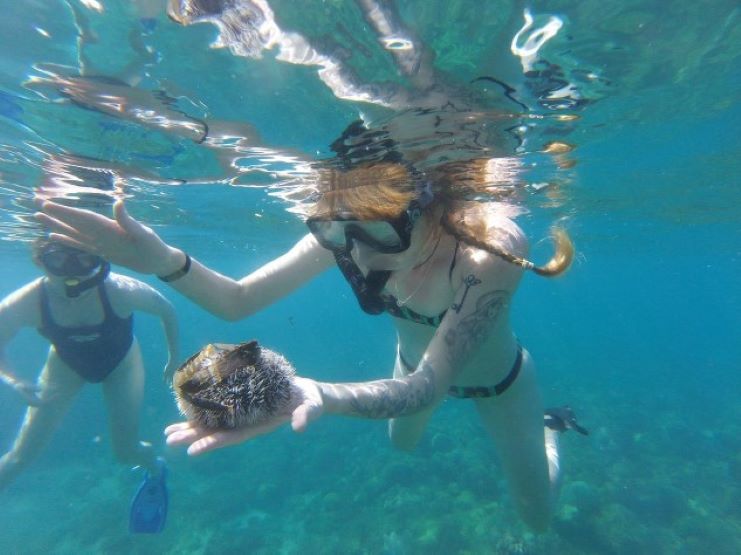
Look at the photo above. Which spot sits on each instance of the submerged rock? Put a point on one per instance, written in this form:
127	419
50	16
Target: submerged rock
228	386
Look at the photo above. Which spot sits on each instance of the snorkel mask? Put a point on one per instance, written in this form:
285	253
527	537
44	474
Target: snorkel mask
338	234
78	268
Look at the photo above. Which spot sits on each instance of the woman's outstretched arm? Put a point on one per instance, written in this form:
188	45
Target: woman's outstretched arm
126	242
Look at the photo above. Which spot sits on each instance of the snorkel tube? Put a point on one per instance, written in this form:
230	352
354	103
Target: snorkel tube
74	286
367	289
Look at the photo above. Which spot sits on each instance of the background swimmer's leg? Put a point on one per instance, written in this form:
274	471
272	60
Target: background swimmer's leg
123	391
59	385
515	422
411	57
84	37
405	432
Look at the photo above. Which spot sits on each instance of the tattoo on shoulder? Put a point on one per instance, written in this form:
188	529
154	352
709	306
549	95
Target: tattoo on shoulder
469	282
473	329
392	398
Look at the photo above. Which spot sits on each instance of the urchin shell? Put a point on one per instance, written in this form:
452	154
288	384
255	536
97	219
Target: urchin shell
228	386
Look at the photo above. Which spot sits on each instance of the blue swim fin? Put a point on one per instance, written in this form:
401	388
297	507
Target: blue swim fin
149	505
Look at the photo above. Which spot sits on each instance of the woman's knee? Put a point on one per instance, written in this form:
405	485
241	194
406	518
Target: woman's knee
534	504
403	438
535	513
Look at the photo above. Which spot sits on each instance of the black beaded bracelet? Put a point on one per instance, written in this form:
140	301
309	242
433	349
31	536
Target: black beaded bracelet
177	274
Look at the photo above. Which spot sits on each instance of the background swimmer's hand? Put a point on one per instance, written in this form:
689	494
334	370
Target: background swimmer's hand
169	371
306	406
123	240
30	392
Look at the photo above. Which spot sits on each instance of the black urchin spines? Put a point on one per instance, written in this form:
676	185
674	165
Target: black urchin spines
234	385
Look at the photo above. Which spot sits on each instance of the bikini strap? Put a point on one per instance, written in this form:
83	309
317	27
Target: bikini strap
46	317
452	262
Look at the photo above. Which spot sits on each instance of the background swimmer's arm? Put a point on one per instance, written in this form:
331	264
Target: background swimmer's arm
18	310
134	295
482	304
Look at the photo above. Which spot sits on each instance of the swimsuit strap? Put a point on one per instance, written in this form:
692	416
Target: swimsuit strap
46	317
105	302
493	390
478	392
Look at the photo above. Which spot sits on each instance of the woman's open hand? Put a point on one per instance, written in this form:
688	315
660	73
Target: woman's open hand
306	406
121	240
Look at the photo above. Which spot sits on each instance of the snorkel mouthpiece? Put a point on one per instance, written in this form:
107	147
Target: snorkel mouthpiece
367	289
74	286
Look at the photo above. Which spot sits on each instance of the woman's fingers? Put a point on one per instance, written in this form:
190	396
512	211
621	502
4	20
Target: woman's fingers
86	222
225	438
206	444
65	233
183	433
78	228
177	427
127	223
202	440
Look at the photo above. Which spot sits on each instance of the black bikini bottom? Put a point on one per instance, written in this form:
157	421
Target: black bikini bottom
477	392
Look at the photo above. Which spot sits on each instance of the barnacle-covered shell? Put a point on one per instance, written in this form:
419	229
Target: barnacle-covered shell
228	386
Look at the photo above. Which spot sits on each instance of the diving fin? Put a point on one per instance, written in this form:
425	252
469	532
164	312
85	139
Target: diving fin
563	418
149	506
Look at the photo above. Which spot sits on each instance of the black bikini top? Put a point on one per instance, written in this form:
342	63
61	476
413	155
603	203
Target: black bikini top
391	304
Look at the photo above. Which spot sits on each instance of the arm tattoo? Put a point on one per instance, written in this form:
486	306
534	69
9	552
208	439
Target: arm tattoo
392	398
473	329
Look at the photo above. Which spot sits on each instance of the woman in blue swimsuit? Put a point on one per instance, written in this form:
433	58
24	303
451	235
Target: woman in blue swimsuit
85	311
419	246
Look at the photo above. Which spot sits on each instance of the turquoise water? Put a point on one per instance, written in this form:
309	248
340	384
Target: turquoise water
641	336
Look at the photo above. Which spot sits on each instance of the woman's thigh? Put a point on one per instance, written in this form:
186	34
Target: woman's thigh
515	422
406	431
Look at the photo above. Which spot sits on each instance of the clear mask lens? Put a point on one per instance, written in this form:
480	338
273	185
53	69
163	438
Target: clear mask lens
67	262
378	235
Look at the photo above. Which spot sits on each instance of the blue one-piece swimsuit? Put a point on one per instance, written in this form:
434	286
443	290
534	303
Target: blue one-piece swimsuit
93	351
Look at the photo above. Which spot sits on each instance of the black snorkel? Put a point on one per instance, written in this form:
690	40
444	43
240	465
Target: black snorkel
78	270
367	288
74	286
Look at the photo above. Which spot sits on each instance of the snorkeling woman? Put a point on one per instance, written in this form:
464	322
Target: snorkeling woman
85	311
421	247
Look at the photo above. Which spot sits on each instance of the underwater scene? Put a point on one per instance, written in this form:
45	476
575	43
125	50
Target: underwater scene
218	122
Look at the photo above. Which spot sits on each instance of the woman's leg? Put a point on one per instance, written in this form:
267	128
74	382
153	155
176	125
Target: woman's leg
515	422
123	391
406	431
59	385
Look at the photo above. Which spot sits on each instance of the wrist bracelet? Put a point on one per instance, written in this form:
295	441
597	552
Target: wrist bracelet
177	274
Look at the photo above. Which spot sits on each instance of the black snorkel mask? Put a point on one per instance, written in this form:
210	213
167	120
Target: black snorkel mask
388	237
78	268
